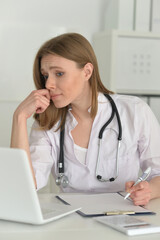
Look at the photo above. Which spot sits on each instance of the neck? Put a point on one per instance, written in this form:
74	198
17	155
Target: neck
80	107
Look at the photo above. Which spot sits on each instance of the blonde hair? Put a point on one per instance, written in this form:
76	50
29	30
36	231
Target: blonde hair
75	47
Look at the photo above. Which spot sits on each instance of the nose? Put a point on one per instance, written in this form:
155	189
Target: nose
50	83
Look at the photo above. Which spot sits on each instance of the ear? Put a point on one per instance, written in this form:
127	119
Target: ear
88	69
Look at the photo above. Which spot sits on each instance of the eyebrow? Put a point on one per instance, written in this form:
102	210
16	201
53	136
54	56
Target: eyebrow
52	67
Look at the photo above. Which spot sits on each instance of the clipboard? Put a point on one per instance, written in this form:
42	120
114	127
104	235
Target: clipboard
102	204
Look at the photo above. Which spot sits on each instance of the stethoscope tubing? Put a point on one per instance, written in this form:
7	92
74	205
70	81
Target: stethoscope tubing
114	108
61	154
61	175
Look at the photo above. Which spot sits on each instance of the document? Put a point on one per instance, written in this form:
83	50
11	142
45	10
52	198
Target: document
102	204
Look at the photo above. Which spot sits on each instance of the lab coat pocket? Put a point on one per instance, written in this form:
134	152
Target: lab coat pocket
111	156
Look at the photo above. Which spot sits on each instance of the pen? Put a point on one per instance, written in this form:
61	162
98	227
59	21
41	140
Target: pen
140	179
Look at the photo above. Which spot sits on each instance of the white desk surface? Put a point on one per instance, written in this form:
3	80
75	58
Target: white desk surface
74	227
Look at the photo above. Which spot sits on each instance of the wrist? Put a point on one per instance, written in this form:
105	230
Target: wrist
19	117
154	186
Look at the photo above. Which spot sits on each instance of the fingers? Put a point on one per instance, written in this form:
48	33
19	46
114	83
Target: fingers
140	186
128	187
37	102
140	193
141	199
40	99
43	92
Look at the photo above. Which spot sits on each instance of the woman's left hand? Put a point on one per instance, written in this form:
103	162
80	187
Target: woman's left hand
140	193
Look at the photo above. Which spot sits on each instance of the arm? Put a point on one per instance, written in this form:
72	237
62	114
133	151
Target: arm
148	135
37	101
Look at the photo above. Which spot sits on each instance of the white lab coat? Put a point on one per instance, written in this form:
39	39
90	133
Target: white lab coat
140	148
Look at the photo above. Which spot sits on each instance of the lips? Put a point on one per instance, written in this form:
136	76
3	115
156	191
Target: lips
55	96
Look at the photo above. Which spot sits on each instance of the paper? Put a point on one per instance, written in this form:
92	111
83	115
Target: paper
93	204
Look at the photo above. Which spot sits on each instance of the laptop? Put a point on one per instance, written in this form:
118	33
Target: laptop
18	197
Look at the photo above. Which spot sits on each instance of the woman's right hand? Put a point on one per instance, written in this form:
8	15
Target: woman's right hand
37	102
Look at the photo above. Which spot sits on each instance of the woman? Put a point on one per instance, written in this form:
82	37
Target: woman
70	97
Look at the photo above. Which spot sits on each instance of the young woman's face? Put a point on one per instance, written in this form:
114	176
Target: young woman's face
65	81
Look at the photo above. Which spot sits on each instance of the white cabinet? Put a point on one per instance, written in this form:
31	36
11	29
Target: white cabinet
129	62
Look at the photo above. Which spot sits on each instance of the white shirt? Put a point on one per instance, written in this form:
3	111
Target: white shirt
80	153
140	147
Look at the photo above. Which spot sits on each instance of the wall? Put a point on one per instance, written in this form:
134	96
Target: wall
82	16
24	26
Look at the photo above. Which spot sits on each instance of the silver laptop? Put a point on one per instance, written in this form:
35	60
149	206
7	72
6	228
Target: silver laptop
18	197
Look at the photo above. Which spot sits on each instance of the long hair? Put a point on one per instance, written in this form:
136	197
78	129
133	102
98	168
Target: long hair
74	47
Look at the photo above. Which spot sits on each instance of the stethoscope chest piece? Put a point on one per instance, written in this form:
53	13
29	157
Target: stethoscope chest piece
62	180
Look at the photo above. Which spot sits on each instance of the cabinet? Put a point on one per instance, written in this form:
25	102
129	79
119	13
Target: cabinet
129	63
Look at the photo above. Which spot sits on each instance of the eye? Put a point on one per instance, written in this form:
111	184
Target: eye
59	74
45	77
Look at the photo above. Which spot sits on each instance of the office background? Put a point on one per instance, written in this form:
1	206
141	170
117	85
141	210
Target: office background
124	33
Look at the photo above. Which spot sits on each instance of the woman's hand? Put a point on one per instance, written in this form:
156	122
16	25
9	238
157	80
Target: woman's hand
36	102
140	193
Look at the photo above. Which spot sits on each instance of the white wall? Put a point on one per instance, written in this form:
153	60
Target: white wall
24	26
78	15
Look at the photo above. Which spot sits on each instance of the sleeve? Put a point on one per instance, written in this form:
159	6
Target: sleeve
41	157
148	129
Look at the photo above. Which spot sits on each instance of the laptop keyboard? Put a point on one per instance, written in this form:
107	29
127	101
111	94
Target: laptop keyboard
48	213
48	210
51	210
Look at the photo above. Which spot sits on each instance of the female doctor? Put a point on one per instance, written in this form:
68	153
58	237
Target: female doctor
91	142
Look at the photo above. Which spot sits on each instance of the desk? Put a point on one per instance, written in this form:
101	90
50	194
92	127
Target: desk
74	227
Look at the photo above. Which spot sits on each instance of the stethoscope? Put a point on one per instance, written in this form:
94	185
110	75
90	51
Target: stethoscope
62	179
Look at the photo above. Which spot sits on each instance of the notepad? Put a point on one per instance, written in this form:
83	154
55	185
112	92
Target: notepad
102	204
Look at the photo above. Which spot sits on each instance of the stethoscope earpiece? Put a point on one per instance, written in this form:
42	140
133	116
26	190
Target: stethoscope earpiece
102	180
112	179
99	177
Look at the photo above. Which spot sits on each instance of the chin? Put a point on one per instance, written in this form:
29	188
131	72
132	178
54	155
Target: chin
60	105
